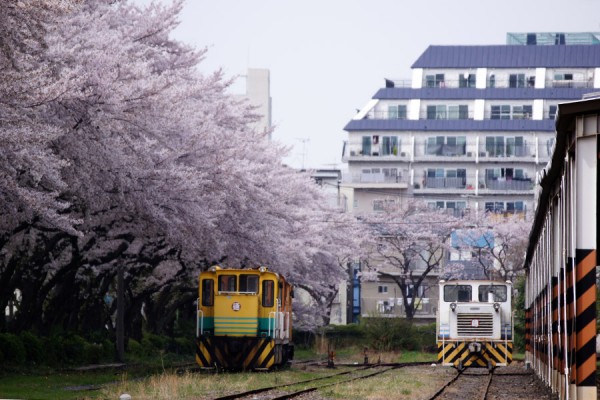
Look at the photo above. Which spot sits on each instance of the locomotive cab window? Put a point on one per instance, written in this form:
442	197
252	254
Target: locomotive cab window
227	283
268	287
499	292
249	283
458	293
208	286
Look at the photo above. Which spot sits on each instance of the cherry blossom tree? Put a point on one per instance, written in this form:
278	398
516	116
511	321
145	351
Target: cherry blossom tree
411	243
498	243
120	155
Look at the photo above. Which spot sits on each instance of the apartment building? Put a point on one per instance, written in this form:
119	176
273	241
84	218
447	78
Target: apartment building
471	128
258	93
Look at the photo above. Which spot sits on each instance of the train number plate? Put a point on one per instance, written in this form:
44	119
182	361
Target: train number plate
236	306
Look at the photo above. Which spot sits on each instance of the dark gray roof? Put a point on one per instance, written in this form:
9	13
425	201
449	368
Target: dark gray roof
490	93
450	125
507	56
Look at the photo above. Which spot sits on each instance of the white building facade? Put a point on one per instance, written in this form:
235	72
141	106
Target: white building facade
469	130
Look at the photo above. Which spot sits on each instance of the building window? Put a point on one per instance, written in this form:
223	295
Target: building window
516	80
382	289
391	175
522	112
436	80
466	80
383	204
515	146
456	208
552	112
458	112
446	146
397	112
436	112
366	145
390	145
500	112
509	206
410	291
494	146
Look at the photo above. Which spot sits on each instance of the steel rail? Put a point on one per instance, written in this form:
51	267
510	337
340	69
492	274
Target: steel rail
460	374
360	367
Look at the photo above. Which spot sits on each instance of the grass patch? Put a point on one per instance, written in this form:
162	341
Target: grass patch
208	385
405	383
62	385
158	379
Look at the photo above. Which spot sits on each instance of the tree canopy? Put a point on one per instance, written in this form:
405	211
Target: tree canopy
118	153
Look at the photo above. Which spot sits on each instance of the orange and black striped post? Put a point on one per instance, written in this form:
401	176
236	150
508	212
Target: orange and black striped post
586	318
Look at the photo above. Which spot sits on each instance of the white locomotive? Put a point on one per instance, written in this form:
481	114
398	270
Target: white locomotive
475	324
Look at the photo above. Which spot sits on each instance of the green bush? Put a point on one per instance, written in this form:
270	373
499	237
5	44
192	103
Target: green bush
135	348
519	315
73	349
182	345
94	353
154	342
391	334
12	349
34	348
345	335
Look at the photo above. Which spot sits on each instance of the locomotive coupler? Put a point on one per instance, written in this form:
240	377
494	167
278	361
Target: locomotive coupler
474	347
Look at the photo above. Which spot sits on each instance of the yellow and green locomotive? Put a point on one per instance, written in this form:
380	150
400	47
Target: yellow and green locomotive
244	319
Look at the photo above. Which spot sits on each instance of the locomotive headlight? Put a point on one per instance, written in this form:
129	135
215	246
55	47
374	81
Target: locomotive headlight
496	306
453	306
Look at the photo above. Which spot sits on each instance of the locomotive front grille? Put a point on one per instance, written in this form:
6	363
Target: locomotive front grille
474	325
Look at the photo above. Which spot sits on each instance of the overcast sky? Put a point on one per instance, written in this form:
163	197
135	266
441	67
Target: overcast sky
327	58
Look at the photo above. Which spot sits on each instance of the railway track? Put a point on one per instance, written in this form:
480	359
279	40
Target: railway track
469	384
295	389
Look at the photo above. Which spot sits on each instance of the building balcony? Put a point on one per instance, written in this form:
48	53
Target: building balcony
564	83
444	183
508	184
377	180
375	152
524	152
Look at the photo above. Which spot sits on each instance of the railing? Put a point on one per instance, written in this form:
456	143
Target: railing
448	83
502	82
444	150
509	184
199	320
378	178
495	151
385	114
376	150
399	83
569	84
272	332
441	183
508	116
446	115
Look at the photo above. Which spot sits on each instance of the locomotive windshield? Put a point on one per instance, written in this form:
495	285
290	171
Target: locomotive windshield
458	293
227	283
249	283
498	290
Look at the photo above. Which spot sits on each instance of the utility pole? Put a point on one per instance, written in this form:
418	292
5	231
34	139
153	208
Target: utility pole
303	140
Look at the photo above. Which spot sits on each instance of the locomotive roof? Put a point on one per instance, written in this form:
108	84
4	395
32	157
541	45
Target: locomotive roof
472	281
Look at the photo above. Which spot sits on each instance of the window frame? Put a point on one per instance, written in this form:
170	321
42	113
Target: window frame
268	293
204	300
457	288
231	278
